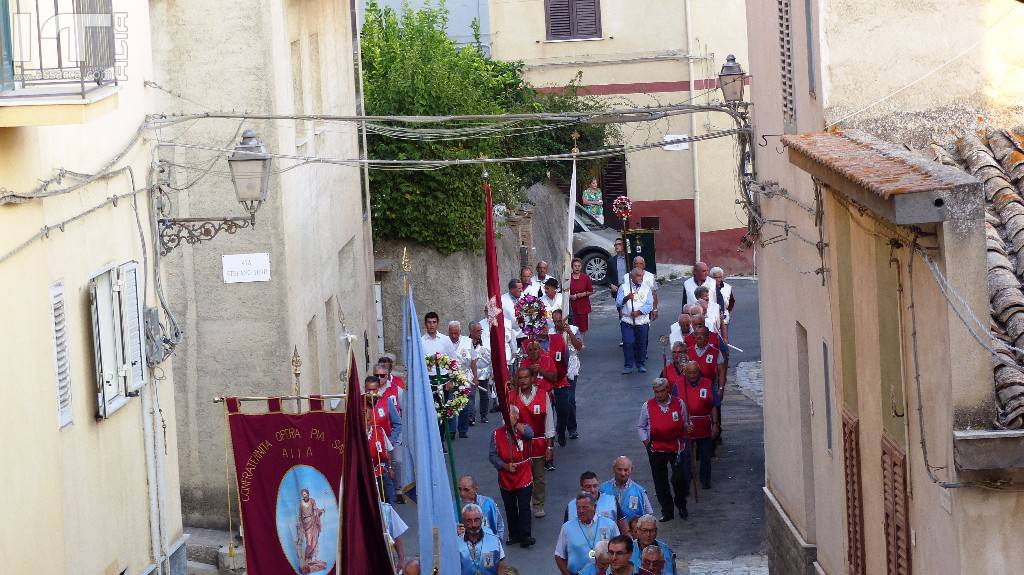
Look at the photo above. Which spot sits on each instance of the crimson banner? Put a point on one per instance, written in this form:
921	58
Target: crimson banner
288	469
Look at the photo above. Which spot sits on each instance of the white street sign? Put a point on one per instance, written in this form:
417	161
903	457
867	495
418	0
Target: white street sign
241	268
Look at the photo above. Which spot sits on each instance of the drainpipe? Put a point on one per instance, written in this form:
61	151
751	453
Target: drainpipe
151	480
693	132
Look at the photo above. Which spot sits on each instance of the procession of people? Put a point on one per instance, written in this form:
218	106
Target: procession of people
609	526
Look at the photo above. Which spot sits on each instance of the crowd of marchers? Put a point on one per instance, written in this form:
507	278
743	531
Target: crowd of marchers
609	527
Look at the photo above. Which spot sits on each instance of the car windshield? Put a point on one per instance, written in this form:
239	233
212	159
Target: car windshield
588	220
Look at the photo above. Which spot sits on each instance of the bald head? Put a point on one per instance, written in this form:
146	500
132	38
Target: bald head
700	272
622	467
412	567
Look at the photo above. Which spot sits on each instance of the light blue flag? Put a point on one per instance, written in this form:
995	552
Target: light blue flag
422	456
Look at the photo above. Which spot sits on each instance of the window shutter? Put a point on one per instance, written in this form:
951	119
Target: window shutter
587	18
854	501
106	341
132	327
61	359
559	19
786	64
896	515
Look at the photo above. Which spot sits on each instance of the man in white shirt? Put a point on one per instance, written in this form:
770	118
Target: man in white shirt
465	354
432	342
680	329
551	298
542	274
529	286
700	278
636	302
508	308
712	312
649	280
722	293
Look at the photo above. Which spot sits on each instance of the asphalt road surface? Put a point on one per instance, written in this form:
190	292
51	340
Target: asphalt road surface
726	522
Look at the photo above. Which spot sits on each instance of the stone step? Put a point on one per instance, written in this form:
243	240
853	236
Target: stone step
197	568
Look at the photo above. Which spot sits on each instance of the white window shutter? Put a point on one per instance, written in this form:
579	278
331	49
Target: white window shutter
61	358
133	334
106	341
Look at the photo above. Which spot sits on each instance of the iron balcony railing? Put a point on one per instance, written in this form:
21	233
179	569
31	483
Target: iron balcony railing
56	47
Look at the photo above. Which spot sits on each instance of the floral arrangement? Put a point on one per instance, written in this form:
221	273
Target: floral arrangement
623	207
447	371
532	316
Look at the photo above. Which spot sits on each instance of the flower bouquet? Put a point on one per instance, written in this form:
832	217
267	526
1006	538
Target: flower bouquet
448	403
623	207
532	315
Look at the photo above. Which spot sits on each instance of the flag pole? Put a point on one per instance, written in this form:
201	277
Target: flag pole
570	224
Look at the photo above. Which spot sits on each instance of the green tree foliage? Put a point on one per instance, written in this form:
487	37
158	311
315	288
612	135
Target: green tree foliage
411	67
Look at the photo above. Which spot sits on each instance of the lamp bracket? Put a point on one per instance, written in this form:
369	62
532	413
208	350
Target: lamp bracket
174	231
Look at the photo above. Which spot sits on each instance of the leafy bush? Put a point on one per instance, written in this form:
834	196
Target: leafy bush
411	67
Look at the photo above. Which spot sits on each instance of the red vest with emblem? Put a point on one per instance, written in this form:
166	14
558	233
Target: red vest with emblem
391	393
666	427
691	340
380	415
534	414
510	452
378	448
544	362
559	353
708	361
675	378
699	402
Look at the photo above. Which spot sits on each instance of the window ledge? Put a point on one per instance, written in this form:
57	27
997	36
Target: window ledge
978	450
596	39
38	106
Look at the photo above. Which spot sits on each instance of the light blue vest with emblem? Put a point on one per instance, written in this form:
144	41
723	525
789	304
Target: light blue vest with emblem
492	518
579	543
481	559
670	563
631	503
605	508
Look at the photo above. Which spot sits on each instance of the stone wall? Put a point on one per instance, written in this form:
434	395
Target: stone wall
788	553
455	286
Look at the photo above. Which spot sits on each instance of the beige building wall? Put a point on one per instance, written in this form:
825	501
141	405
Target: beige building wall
641	61
863	52
239	338
75	499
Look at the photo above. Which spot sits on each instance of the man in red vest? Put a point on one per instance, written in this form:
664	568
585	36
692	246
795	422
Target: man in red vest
383	430
701	398
662	424
535	410
510	455
713	363
558	351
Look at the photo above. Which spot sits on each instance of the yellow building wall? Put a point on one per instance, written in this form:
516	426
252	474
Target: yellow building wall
75	500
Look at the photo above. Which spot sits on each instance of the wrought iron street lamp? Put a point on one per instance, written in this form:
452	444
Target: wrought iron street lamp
250	173
730	80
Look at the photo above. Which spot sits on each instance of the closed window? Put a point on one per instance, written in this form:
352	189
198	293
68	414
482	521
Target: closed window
573	19
61	359
786	65
118	335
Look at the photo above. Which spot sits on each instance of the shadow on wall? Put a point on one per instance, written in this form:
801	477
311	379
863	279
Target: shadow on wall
455	286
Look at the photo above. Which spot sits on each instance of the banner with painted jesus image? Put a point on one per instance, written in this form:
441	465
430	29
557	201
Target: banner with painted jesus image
288	469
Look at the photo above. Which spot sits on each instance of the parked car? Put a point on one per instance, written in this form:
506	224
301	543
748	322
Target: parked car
594	243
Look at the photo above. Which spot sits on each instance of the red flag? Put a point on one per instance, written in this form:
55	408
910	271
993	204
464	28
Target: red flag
364	550
499	365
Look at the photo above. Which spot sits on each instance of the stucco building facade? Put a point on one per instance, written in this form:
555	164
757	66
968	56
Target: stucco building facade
882	409
90	477
653	53
295	57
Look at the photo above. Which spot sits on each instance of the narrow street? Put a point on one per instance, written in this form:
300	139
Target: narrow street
725	524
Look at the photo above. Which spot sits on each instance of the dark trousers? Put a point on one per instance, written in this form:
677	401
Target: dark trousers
517	512
561	411
705	447
464	418
570	423
634	344
663	462
483	389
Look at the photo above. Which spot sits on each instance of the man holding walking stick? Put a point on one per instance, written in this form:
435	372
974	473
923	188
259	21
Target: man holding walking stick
635	302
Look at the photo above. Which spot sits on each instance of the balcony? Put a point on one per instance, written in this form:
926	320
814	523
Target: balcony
57	61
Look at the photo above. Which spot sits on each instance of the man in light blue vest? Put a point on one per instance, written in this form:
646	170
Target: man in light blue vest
480	551
646	536
606	504
468	493
632	499
577	541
